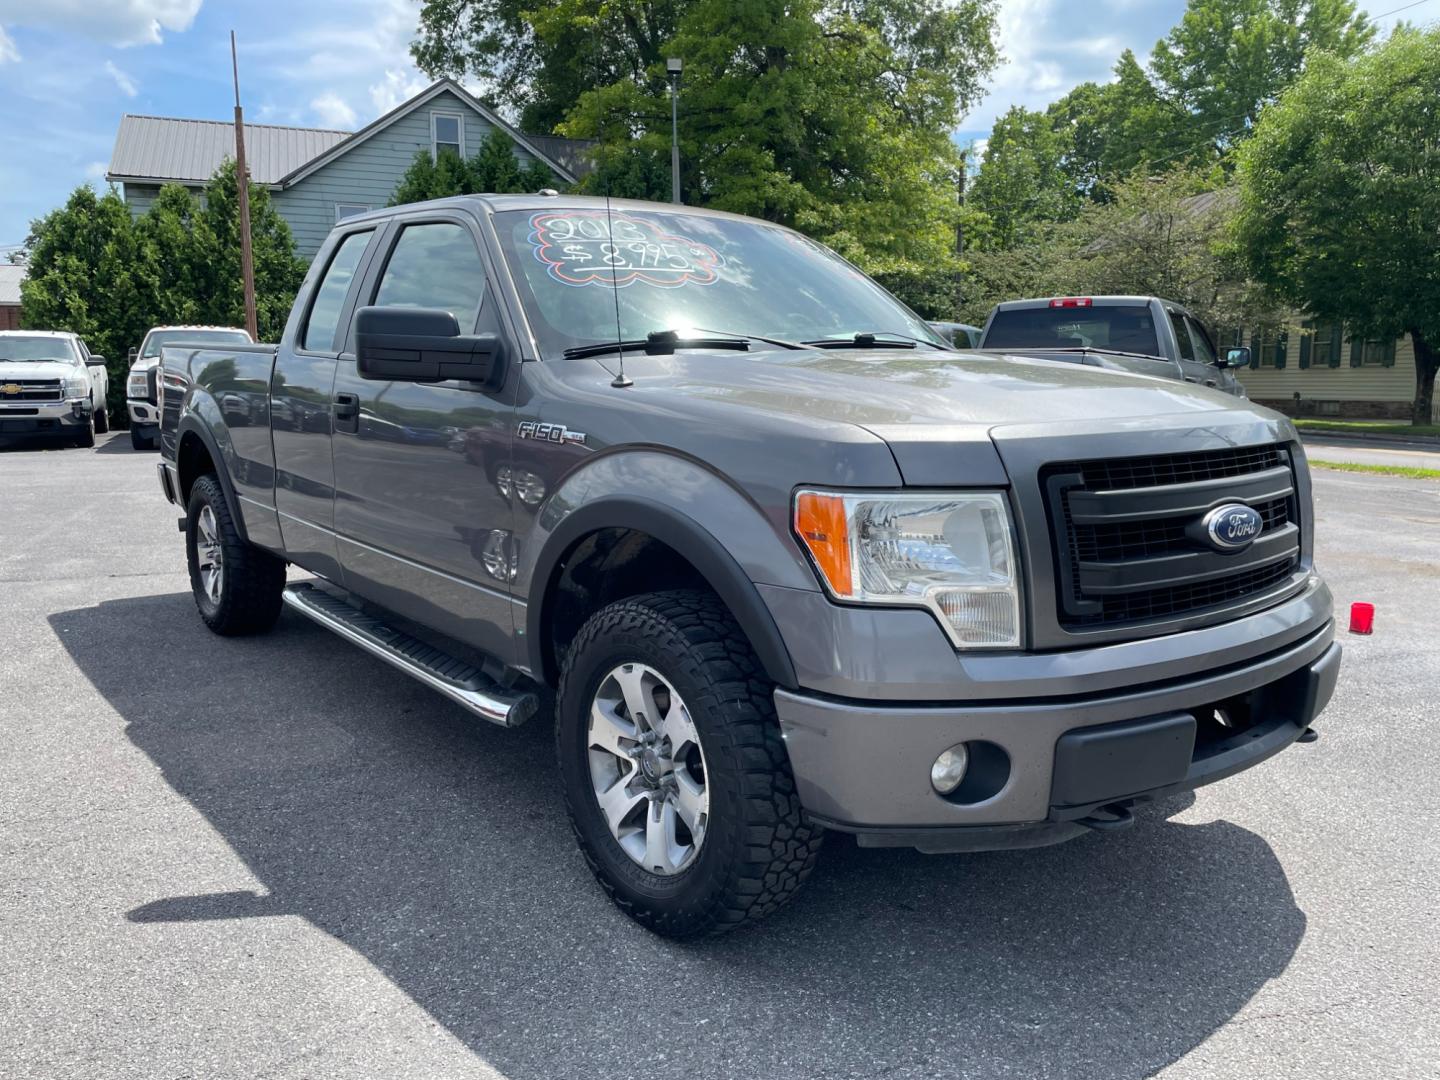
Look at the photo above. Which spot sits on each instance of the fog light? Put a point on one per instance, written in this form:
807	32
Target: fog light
949	769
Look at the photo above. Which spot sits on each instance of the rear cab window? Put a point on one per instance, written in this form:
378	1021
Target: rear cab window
1182	336
322	323
1121	329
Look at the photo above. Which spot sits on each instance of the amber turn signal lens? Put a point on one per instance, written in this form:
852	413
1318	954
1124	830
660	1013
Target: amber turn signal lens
820	523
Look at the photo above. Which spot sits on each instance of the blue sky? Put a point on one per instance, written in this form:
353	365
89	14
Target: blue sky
70	68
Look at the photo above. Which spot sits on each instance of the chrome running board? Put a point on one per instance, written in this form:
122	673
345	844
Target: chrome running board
459	680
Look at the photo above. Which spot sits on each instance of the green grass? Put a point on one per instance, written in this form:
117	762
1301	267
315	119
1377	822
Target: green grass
1380	470
1368	427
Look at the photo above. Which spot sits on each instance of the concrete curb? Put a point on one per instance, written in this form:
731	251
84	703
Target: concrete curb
1378	442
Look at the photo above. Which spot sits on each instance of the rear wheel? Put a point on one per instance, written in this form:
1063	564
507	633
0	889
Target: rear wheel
675	776
237	586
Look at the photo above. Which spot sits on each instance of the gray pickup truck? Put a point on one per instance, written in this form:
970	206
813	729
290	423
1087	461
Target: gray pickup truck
1140	334
781	560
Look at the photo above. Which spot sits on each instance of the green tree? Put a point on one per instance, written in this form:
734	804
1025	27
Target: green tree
1226	59
830	115
494	170
1340	205
1023	182
85	266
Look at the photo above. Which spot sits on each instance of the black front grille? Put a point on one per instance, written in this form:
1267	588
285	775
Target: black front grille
1128	542
33	390
1120	474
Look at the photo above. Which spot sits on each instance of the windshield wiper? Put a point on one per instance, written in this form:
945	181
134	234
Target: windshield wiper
1093	348
867	341
657	343
779	343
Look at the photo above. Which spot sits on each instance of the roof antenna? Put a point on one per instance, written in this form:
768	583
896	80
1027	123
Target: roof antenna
620	382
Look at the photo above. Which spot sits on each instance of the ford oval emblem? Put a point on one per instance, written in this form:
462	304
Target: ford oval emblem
1232	526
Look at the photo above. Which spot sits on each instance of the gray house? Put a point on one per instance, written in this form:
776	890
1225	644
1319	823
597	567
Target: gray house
316	176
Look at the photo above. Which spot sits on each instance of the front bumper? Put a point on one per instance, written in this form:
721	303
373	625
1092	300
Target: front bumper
143	415
45	417
864	766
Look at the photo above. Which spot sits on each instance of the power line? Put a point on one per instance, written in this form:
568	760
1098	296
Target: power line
1396	11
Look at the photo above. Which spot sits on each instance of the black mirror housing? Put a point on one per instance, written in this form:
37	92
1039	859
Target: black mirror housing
95	361
1236	358
424	345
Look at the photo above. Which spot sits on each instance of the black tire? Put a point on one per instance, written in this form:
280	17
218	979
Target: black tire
138	441
252	580
758	847
86	438
102	421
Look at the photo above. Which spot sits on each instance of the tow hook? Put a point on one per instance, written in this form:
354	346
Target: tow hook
1117	817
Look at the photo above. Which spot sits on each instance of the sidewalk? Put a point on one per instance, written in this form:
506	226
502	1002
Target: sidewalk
1324	446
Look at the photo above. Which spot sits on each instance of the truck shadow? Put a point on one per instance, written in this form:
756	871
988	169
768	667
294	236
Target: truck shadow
437	849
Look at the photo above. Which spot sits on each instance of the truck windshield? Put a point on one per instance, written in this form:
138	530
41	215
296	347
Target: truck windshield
38	349
683	272
154	341
1123	329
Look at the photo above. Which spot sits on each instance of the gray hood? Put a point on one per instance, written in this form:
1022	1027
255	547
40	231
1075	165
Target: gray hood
876	389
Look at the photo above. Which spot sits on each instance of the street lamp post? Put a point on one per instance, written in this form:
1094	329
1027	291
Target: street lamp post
672	68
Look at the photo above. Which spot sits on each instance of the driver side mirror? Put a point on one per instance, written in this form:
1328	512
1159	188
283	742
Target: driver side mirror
132	354
1236	358
424	345
95	361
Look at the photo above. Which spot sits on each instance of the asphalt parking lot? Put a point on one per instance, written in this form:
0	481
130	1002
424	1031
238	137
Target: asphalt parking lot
276	857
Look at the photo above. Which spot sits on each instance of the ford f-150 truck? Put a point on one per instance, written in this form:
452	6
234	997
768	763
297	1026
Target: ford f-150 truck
141	391
52	384
783	560
1142	334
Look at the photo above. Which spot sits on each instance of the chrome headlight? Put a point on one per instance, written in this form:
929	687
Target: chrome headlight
136	386
951	552
77	386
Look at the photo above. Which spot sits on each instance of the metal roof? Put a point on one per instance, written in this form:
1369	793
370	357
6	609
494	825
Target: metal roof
165	148
11	275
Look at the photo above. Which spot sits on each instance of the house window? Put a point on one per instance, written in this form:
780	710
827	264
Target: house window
345	210
447	133
1375	352
1268	347
1325	341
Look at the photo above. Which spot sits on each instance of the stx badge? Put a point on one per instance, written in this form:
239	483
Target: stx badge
556	433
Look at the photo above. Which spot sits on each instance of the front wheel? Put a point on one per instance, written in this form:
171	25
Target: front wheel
675	775
237	586
138	441
102	421
86	436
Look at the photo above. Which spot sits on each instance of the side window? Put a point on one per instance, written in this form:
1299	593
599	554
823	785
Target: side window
1182	336
435	265
1204	351
319	333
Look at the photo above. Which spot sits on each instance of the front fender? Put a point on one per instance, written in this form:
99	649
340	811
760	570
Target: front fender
733	543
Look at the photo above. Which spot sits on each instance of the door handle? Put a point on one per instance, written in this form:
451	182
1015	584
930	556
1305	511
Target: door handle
346	412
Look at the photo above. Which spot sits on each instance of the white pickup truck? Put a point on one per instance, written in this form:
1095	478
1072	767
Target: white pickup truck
51	384
141	398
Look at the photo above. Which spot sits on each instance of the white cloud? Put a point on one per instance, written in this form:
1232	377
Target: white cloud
124	82
114	22
330	107
96	170
395	87
9	54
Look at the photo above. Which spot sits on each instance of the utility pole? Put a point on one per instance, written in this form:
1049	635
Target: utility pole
672	68
242	186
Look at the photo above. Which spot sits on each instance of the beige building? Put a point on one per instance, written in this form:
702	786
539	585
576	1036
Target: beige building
1319	370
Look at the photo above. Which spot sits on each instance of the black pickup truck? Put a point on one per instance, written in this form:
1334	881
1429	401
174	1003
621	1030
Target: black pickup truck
1140	334
778	559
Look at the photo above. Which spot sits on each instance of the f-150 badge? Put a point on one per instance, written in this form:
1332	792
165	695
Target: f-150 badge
555	433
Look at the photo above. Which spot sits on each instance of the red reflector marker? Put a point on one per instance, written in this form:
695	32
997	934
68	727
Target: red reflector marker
1071	301
1362	618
